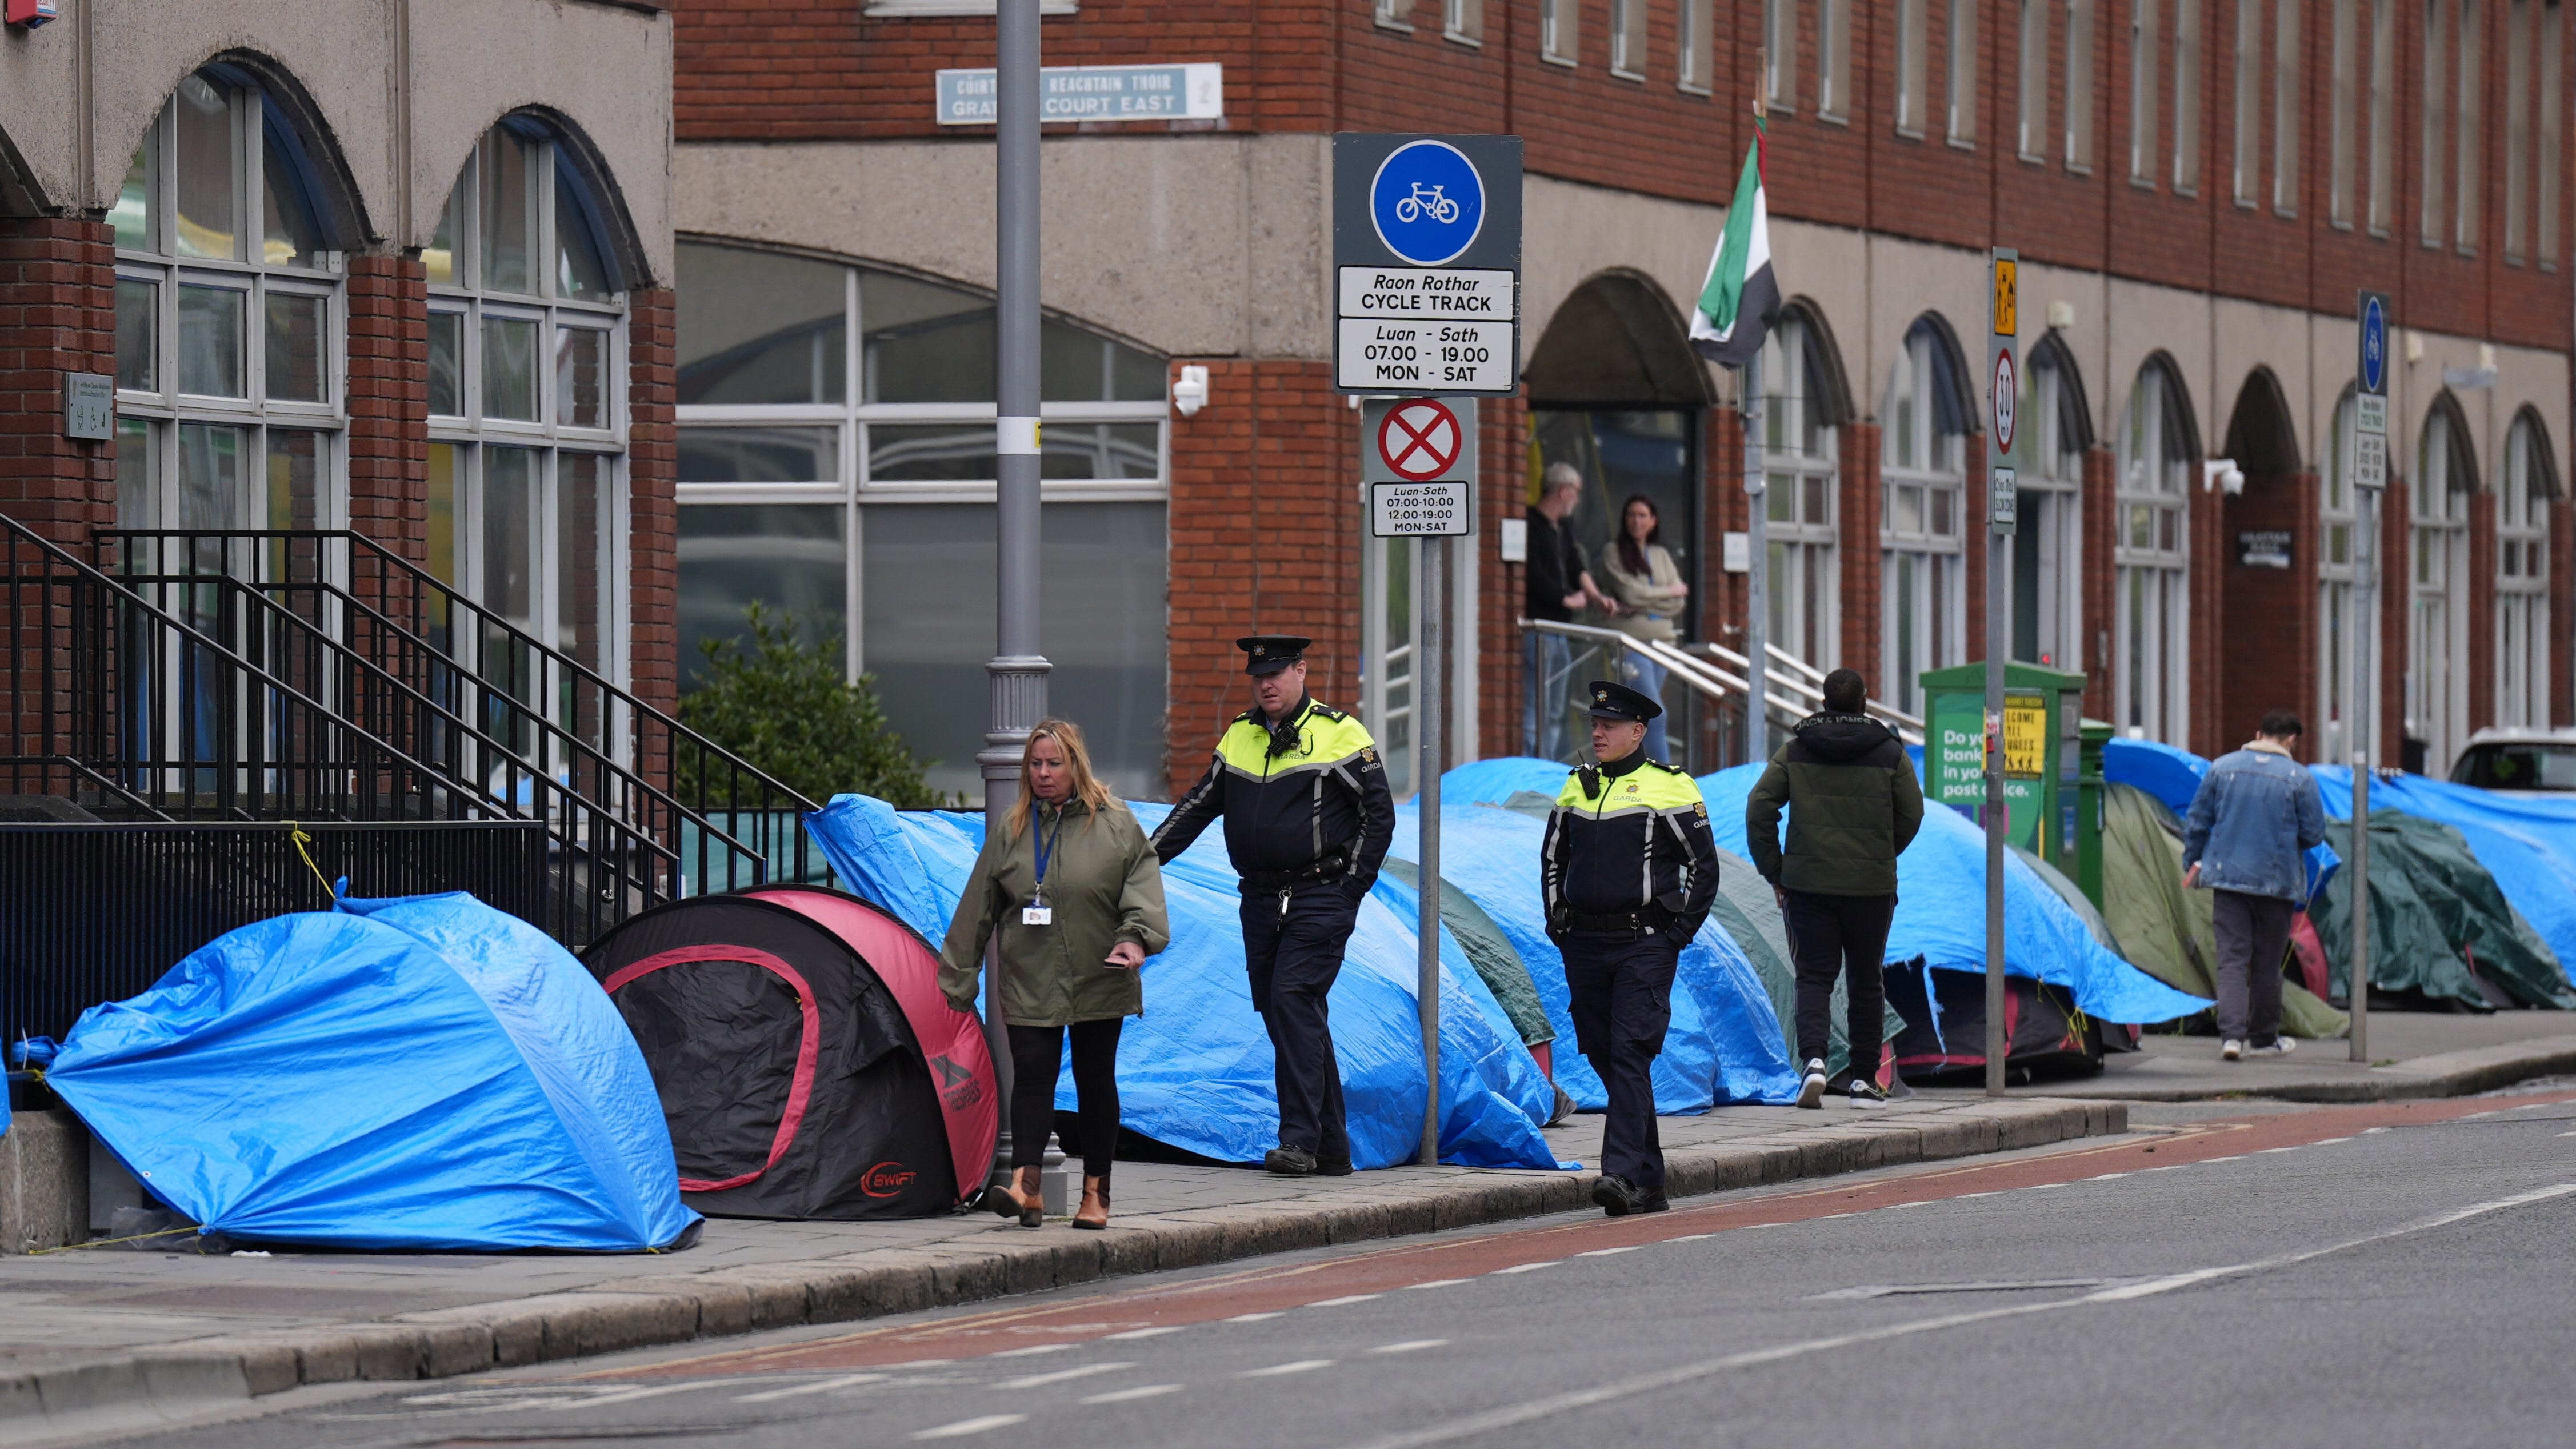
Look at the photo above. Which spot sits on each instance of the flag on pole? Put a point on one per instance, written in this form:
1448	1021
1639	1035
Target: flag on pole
1740	300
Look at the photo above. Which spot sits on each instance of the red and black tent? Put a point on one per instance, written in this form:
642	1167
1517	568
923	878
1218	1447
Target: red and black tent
807	1064
2045	1033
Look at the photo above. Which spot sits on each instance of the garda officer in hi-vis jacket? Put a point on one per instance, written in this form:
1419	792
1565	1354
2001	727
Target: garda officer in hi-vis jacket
1628	871
1307	822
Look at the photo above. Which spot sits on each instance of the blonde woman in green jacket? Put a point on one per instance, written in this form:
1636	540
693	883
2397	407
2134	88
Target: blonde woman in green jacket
1078	897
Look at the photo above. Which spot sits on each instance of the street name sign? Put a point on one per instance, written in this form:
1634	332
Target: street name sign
1418	458
1070	93
1426	264
2370	393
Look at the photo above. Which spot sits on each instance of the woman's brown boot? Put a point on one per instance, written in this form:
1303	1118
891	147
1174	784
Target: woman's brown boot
1095	1204
1022	1197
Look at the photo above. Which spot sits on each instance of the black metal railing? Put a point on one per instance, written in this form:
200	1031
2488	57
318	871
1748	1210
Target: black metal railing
507	708
97	912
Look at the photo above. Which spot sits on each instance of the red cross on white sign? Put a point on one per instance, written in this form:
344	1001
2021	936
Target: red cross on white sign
1420	440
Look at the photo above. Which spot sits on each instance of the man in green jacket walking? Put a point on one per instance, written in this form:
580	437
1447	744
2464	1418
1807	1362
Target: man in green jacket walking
1856	807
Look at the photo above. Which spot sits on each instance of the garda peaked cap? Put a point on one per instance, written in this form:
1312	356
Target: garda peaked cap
1618	701
1270	653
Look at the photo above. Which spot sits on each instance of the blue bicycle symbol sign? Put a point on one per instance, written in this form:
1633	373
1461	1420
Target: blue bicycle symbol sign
1427	202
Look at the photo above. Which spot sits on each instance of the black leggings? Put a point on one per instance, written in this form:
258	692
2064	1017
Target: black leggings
1036	1054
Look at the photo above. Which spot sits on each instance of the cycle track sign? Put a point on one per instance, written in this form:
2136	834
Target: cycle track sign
1426	251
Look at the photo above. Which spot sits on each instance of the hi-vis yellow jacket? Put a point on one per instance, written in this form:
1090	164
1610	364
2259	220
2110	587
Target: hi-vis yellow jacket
1308	799
1636	840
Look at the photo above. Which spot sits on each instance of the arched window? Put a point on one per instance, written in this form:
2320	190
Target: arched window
527	398
2338	538
1923	452
231	320
2522	576
2048	547
2151	637
2437	627
836	461
1800	483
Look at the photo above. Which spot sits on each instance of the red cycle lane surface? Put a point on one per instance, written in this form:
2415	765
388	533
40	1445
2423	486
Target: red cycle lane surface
1147	1308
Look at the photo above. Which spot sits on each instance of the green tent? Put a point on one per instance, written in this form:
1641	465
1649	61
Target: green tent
1489	951
2439	926
2165	930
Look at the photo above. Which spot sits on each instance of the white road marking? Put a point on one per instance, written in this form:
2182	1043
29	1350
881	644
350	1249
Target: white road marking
2042	1186
825	1386
963	1427
1530	1267
1411	1345
1142	1333
2534	1106
2328	1141
1033	1381
1248	1318
1511	1415
1303	1365
1122	1396
2106	1177
2230	1158
1609	1252
1434	1283
1032	1348
2367	1131
2567	1134
2260	1151
1690	1237
1345	1298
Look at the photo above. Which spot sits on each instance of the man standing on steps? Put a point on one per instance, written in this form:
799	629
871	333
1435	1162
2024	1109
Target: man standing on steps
1855	806
2253	820
1308	818
1628	871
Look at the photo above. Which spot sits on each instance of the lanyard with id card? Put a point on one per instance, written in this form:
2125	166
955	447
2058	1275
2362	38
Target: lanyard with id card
1037	912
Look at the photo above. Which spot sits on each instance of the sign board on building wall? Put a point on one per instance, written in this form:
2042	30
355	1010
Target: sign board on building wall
2263	548
1426	264
1073	93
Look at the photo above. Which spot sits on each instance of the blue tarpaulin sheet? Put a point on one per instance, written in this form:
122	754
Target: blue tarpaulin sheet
2527	842
1195	1071
1941	913
1724	1044
412	1073
2173	774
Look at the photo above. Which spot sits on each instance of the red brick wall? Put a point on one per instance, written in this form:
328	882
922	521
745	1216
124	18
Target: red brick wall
2101	529
389	402
2482	600
2268	623
1502	442
2562	612
2392	573
1265	535
57	315
1863	574
652	471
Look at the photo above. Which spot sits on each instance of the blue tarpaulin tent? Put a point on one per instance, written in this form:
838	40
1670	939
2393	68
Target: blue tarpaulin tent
1725	1042
1194	1071
1941	913
2527	842
413	1073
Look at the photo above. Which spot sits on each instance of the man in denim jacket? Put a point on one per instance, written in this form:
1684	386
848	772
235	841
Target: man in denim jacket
2251	825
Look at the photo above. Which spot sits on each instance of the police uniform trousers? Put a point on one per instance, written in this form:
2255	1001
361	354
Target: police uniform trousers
1622	988
1293	959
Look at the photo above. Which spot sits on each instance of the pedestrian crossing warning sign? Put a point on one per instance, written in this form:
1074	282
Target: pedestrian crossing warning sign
2007	302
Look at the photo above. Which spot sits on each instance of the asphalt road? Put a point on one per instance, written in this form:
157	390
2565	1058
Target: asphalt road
2394	1275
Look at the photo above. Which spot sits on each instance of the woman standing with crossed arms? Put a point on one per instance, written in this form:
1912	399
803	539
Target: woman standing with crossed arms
1078	897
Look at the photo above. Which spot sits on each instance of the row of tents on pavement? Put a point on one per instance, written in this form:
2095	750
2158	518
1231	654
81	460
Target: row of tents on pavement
432	1073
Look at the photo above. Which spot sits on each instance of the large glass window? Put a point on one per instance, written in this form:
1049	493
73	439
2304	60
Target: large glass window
230	321
2437	620
2048	547
527	426
1923	451
836	461
1801	480
2151	641
2522	642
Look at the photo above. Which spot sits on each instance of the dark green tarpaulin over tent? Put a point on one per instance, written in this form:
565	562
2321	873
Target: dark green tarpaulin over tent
2165	930
2439	926
1489	951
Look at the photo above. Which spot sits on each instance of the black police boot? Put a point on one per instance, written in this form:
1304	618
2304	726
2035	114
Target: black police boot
1332	1167
1654	1202
1289	1161
1617	1196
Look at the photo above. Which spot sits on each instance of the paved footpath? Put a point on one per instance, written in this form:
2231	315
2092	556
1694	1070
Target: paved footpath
91	1336
2415	1054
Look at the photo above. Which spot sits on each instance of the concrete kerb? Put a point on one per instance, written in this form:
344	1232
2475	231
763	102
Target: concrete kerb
149	1386
2445	1074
